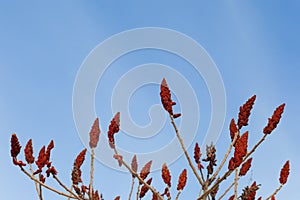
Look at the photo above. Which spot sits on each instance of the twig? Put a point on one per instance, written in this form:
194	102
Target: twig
255	147
138	192
46	186
131	189
35	183
40	194
92	173
236	179
224	158
185	152
71	188
228	173
62	185
138	177
177	196
226	191
275	192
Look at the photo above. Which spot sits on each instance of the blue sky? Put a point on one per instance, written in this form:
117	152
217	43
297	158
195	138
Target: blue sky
254	44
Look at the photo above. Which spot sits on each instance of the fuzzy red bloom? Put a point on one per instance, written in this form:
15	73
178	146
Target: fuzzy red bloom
48	151
114	128
231	164
284	173
145	170
165	95
245	111
42	159
76	175
241	148
80	158
245	167
165	174
274	120
249	192
51	170
134	164
29	152
233	129
94	134
145	189
117	198
15	146
253	189
182	180
76	172
239	152
197	156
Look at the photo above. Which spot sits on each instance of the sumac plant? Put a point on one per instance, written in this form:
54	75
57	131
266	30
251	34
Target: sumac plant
207	171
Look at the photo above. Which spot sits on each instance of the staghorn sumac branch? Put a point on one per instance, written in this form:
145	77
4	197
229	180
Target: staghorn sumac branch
208	180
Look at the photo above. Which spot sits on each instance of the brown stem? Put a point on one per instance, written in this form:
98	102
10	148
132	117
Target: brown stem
226	191
131	189
46	186
40	194
275	192
177	196
228	173
92	173
138	177
35	183
224	158
138	192
236	180
62	185
185	152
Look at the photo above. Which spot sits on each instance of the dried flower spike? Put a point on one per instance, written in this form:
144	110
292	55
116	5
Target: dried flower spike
211	158
15	146
114	127
274	120
94	134
197	156
245	167
80	158
245	111
42	159
117	198
145	170
48	152
29	152
284	173
134	164
182	180
145	189
233	129
249	192
165	95
165	174
239	152
76	172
